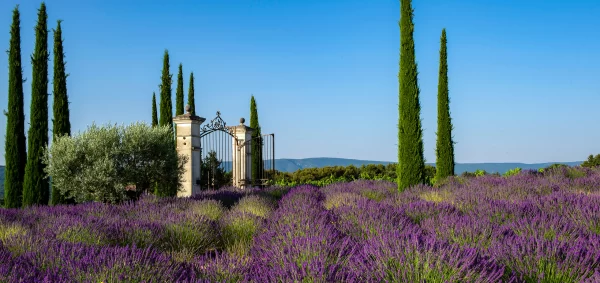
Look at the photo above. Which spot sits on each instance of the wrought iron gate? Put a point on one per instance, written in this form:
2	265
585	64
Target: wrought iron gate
219	147
263	170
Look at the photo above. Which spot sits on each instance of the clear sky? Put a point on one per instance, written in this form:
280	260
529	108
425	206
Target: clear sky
524	75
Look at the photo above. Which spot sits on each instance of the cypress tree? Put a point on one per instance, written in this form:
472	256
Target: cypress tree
411	163
61	123
256	144
191	101
15	150
179	92
154	114
166	115
444	146
35	184
166	107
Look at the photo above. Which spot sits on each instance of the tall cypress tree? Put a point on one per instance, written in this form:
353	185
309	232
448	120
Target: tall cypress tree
411	163
61	123
166	107
444	147
154	114
166	114
35	184
256	144
15	150
191	101
179	92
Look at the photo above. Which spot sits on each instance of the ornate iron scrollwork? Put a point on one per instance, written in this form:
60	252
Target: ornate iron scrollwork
216	124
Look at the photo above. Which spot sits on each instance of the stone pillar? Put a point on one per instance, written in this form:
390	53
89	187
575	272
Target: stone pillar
188	144
241	156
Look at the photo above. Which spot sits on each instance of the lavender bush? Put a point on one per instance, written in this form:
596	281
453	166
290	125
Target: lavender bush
529	226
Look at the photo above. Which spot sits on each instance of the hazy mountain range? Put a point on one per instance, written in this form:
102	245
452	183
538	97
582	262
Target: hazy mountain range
291	165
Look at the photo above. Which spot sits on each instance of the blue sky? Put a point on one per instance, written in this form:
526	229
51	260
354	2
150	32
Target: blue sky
523	74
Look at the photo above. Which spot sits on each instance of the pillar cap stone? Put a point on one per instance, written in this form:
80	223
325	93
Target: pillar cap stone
188	117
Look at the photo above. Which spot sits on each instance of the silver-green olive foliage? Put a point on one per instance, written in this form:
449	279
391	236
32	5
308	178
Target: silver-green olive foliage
103	163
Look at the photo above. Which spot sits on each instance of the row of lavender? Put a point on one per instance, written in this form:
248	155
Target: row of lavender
531	227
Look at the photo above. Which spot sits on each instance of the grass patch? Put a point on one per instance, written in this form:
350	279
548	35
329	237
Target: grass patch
336	200
80	234
237	231
373	195
255	205
189	238
8	231
436	196
211	209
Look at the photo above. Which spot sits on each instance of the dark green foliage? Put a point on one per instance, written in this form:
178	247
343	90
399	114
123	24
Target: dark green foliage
15	151
166	107
61	124
478	173
592	161
213	174
179	92
35	184
411	163
191	101
166	113
332	174
444	150
257	160
154	114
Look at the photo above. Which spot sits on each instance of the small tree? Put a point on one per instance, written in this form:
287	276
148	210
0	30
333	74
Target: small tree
411	162
592	161
114	163
444	149
15	154
179	92
166	108
61	122
154	114
36	189
213	174
191	101
257	164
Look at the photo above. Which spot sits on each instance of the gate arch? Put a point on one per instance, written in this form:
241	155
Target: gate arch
226	155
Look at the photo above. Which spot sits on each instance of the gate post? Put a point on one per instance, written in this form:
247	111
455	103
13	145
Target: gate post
241	156
188	144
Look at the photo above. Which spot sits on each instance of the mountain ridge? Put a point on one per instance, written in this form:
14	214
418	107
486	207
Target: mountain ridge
293	164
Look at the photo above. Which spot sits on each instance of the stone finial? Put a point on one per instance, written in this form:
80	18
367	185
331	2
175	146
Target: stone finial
242	120
188	108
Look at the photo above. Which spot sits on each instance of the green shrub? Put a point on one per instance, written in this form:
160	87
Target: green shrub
574	173
554	166
512	172
592	161
101	163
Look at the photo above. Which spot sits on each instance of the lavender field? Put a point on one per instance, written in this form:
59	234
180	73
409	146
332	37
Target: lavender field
531	227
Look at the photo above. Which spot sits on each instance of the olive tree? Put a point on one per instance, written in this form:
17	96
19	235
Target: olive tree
113	163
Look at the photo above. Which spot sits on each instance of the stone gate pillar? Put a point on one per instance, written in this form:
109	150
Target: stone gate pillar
187	127
241	156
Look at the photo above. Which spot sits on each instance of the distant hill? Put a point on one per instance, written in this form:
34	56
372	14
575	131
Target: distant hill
291	165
